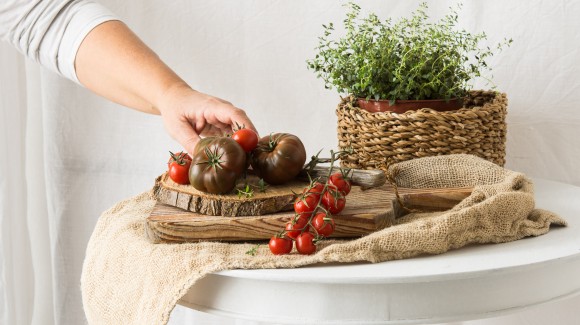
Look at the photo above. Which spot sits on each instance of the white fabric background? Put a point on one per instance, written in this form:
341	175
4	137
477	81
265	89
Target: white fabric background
66	155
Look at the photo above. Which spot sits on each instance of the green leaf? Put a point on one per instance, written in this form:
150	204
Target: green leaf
412	57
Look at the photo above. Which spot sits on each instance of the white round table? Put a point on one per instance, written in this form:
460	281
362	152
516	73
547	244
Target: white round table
474	282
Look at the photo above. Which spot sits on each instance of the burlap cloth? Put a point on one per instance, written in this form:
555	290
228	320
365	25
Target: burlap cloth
127	280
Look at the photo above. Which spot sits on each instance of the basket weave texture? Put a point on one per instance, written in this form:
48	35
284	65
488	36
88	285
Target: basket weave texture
478	129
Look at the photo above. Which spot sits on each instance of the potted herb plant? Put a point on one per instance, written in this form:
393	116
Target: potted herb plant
406	64
383	66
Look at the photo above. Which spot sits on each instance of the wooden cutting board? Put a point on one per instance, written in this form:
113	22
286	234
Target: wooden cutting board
366	211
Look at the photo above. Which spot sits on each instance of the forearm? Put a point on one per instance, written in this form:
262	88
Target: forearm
114	63
85	42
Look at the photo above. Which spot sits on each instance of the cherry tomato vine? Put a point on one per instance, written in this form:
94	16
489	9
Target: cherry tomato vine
314	209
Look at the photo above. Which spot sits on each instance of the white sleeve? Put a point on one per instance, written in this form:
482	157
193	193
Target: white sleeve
51	31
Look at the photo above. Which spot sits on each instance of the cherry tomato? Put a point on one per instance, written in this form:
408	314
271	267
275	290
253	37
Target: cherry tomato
280	245
305	204
297	226
247	138
323	224
341	184
315	189
305	244
179	167
333	201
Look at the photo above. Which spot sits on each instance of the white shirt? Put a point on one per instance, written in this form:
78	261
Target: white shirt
51	31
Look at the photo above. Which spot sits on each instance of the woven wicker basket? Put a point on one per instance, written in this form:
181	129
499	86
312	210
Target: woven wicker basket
478	129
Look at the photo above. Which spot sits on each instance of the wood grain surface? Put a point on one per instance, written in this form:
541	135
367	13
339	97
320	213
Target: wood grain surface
364	178
366	211
274	199
429	201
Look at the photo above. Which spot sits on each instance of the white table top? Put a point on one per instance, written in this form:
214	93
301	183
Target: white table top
473	282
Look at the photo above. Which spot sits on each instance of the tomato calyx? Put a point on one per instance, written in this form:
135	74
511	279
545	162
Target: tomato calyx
238	127
213	159
272	143
181	158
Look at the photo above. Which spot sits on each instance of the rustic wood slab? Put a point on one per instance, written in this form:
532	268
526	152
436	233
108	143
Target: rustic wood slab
362	177
274	199
433	200
366	211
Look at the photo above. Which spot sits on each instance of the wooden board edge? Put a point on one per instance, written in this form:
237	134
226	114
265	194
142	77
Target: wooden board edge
215	205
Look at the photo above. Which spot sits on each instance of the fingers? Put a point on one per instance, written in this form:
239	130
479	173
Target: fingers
225	114
184	133
241	118
212	131
193	114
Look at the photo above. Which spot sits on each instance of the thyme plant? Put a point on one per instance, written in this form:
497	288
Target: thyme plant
412	58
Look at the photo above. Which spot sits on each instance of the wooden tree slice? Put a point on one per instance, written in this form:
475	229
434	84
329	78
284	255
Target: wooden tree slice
274	199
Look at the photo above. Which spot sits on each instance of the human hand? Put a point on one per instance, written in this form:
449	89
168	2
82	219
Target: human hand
188	114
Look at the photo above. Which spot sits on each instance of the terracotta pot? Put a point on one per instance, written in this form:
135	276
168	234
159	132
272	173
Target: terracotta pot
401	106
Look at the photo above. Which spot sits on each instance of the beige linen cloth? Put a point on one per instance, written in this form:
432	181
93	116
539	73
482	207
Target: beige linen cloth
127	280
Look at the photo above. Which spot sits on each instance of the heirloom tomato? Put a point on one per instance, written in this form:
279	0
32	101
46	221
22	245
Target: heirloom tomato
278	158
216	165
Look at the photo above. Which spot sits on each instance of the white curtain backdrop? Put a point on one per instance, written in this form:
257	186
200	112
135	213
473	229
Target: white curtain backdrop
66	155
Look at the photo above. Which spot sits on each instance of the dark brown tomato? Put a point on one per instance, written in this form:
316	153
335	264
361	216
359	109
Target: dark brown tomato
216	165
279	158
204	142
